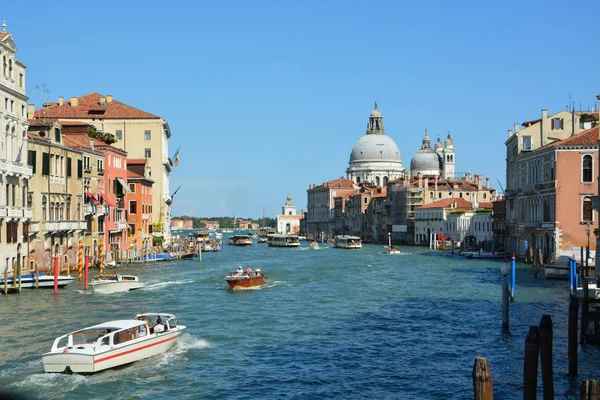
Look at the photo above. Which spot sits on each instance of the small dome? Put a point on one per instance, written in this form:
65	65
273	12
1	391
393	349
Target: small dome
448	143
289	198
438	144
425	161
375	113
375	148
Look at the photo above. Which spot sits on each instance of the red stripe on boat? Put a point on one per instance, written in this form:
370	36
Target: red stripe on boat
133	350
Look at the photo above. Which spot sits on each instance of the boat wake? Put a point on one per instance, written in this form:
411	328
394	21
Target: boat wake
186	343
49	383
161	285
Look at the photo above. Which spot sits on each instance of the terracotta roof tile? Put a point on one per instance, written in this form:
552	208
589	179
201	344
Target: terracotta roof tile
586	138
73	123
4	35
89	107
136	161
446	203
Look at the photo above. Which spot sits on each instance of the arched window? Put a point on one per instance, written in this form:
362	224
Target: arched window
358	179
587	168
377	181
431	195
587	209
439	195
5	65
385	180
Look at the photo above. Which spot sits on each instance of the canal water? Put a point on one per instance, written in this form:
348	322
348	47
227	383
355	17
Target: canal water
331	323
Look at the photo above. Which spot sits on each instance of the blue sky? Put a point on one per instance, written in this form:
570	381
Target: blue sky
268	97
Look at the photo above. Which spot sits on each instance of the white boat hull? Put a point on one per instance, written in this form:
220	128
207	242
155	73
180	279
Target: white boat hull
113	287
45	281
556	272
87	362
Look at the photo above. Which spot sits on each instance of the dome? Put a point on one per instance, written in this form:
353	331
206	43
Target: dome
375	148
438	144
425	161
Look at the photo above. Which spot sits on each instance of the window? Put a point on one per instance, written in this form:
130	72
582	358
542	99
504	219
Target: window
148	153
132	187
119	134
86	164
147	135
21	80
57	135
587	209
587	168
557	123
526	142
133	207
100	164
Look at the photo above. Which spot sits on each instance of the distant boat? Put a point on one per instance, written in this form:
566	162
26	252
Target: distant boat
278	240
246	278
113	283
240	240
347	242
559	269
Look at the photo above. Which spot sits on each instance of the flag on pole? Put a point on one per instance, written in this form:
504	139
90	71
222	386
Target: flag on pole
176	159
176	190
18	159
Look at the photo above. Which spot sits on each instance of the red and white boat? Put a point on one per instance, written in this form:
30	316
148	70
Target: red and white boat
245	279
240	240
112	344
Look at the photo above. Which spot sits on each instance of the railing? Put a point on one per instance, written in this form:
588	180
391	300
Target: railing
103	209
52	226
88	209
121	226
27	213
34	227
57	180
3	166
144	216
101	171
15	212
16	169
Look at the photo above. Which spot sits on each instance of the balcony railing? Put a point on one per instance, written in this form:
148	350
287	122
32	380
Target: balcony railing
144	216
15	212
27	213
2	211
57	180
121	226
18	169
59	226
88	209
103	209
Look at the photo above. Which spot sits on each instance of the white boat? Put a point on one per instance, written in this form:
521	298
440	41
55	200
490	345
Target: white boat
314	245
277	240
44	281
559	269
391	250
479	254
347	242
112	283
112	344
593	291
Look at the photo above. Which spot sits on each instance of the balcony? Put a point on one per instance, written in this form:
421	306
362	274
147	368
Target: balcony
27	213
100	171
88	209
34	227
17	169
2	211
144	216
15	212
3	166
64	226
121	226
103	209
57	180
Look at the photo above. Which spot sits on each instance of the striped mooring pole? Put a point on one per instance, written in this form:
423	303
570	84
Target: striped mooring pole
100	256
80	260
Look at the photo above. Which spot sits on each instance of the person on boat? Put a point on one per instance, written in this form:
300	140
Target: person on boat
159	327
249	272
239	271
257	272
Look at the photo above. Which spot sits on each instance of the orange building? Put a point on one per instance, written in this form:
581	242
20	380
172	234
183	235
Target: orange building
140	203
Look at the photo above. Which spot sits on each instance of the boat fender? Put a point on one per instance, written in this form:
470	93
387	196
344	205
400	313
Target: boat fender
68	371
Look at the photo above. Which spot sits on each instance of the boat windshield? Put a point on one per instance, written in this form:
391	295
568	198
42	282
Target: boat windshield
90	335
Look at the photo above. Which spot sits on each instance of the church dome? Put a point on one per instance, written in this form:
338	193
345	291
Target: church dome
375	148
438	144
425	161
449	143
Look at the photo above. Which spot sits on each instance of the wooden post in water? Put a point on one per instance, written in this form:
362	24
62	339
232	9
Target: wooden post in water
585	309
530	365
37	274
20	276
6	280
505	270
546	356
572	331
589	390
483	383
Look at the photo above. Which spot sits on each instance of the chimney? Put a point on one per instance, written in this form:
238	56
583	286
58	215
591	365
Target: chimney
509	133
516	127
103	101
30	111
479	182
92	144
544	113
61	100
487	181
109	98
74	101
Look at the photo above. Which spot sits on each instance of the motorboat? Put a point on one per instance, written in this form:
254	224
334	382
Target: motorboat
391	250
314	245
559	269
593	290
479	254
277	240
240	240
44	281
347	242
111	283
245	279
112	344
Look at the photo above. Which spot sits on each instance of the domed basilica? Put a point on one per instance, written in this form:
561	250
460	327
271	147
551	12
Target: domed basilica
376	158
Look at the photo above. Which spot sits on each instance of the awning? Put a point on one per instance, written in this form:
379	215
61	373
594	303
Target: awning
124	184
106	200
92	198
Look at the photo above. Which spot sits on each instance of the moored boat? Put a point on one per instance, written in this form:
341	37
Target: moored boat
112	283
559	269
240	240
277	240
245	279
44	281
112	344
347	242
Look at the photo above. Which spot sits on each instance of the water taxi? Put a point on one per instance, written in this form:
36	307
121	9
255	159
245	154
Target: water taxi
240	240
112	344
391	250
245	279
113	283
277	240
347	242
44	281
559	269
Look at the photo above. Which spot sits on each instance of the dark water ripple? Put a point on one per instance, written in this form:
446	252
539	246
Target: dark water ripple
330	324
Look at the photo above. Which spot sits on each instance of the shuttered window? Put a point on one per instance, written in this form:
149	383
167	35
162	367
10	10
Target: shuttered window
45	164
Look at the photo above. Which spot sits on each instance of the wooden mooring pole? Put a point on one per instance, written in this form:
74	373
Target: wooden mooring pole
505	298
589	390
572	332
585	309
6	280
530	363
483	383
546	356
